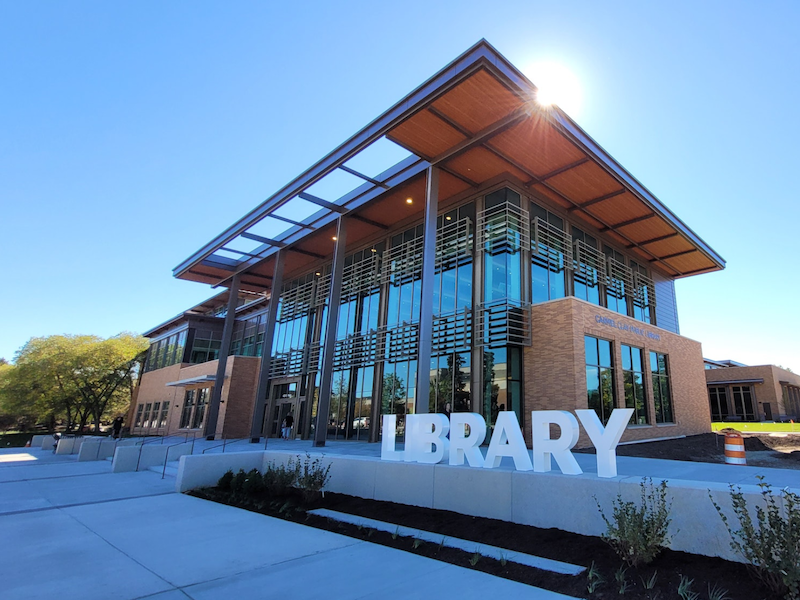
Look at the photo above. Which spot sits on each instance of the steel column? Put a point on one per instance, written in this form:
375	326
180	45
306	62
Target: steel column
332	324
426	302
225	347
266	351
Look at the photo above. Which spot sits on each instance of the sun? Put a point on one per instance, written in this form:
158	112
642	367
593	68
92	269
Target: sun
556	85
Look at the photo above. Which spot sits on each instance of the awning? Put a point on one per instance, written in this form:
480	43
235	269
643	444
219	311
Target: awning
734	381
193	380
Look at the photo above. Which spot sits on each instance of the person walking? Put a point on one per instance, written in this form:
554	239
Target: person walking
289	424
116	427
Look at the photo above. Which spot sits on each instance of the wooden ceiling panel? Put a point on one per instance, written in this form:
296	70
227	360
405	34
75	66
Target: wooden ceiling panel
553	196
537	146
690	262
392	208
426	135
478	102
585	182
619	209
615	237
450	185
583	218
479	165
646	230
670	246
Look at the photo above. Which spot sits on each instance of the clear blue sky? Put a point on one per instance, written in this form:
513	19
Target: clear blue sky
133	132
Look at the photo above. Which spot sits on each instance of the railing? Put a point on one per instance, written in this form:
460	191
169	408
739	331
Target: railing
225	442
166	456
161	440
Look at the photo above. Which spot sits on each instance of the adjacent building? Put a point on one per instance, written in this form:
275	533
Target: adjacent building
737	392
482	253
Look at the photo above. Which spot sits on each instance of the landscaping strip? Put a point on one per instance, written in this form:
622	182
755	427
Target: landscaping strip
495	552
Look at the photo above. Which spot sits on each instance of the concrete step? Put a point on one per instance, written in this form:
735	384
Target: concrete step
170	471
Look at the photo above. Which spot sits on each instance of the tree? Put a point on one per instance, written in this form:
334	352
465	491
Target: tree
76	378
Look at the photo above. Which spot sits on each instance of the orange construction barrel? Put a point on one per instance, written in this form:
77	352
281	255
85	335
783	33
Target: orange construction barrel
734	448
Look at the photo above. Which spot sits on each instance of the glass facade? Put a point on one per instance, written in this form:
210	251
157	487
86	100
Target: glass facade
718	397
662	398
166	351
494	257
599	376
633	378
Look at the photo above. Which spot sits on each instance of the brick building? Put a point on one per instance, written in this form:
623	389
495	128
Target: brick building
468	229
737	392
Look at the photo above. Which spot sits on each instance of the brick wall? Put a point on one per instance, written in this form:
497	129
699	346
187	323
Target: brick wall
770	391
555	374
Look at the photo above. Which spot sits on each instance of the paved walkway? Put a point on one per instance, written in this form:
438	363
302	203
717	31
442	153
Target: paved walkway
74	530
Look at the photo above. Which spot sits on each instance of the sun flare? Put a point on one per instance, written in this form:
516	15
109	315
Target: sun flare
556	85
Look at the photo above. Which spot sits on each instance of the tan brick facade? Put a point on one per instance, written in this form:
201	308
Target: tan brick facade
555	373
771	391
237	400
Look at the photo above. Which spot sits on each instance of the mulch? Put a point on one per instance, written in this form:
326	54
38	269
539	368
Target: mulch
669	566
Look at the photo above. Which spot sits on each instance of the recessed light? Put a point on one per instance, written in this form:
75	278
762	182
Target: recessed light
409	201
317	273
449	218
334	238
373	250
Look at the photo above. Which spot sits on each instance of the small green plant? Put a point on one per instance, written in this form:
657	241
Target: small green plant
717	593
475	558
237	483
280	479
311	477
649	586
594	579
770	544
637	533
253	484
621	578
503	559
224	482
441	544
685	589
396	533
417	543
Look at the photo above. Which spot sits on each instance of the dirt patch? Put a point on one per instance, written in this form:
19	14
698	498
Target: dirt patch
763	450
668	567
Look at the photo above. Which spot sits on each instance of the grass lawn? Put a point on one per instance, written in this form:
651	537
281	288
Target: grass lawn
759	427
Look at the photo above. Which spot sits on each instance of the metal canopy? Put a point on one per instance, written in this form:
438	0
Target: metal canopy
475	120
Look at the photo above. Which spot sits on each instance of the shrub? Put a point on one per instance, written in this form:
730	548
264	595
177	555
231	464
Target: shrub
280	479
638	533
224	482
771	544
237	483
254	483
312	477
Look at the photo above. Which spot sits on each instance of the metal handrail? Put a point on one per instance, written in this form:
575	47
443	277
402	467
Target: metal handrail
166	456
224	443
142	445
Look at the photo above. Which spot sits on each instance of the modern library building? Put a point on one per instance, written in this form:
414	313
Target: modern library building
469	250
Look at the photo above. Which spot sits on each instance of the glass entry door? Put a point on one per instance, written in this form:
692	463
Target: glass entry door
284	401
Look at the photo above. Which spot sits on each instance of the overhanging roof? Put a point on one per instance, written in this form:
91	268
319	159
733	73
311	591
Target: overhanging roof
476	119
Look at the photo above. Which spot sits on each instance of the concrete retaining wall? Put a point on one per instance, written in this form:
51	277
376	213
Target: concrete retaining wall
544	500
45	442
72	445
204	470
128	458
101	449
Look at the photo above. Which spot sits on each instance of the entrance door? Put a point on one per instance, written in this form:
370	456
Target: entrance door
284	400
767	412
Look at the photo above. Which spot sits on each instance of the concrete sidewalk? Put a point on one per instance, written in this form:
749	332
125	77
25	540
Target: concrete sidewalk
74	530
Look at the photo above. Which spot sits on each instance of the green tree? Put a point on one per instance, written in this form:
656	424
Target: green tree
75	378
393	396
